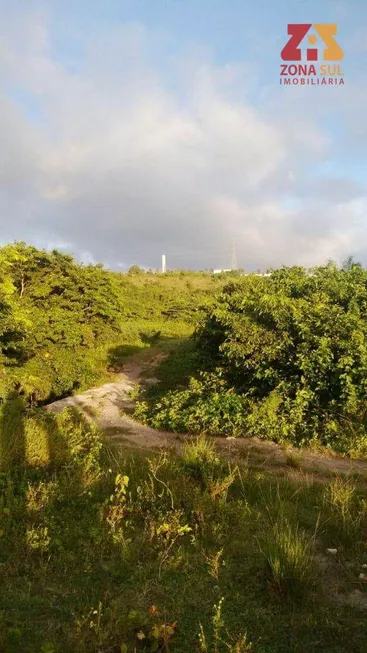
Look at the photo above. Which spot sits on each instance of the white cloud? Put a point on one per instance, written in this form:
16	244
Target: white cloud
136	155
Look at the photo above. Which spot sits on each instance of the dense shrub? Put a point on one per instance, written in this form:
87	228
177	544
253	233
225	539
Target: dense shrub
290	352
55	316
206	406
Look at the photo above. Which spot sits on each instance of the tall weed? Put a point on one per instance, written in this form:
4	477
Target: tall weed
288	551
345	512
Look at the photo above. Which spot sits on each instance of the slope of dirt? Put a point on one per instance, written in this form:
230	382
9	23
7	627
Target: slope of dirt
110	404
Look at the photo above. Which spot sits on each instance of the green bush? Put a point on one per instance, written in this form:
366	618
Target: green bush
206	406
56	316
286	357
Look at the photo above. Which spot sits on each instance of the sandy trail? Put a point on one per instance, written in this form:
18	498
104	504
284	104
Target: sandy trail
109	406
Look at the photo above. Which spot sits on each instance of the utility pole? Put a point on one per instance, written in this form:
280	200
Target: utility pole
163	263
234	257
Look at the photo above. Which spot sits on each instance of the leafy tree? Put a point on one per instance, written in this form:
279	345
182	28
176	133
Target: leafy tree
54	316
135	269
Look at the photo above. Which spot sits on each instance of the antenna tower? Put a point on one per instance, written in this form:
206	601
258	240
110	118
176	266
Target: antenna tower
234	257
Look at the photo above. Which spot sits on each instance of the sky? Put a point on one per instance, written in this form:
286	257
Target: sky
135	128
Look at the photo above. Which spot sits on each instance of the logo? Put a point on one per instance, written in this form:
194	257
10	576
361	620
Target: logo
320	45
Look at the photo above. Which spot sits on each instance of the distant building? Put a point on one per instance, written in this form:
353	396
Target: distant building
219	271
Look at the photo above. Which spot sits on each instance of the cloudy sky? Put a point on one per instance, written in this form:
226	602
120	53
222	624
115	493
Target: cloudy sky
132	128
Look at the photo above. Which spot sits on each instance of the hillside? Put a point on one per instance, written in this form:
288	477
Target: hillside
178	459
62	324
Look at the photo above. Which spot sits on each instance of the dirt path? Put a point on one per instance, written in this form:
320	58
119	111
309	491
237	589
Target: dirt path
110	404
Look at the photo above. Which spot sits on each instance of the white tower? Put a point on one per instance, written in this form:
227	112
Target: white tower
163	263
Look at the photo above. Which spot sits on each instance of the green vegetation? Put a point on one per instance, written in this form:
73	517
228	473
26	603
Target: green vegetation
289	555
293	460
105	550
55	318
62	324
282	358
109	550
347	512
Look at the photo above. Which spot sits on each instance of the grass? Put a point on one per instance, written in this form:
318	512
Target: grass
180	363
293	460
288	552
199	458
110	550
347	511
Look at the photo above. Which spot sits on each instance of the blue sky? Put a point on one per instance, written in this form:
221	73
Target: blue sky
133	128
230	31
